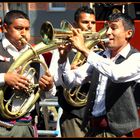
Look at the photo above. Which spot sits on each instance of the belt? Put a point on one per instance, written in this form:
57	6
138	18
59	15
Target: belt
10	123
6	124
99	122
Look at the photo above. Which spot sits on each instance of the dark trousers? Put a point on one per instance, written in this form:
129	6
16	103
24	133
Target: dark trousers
99	128
70	125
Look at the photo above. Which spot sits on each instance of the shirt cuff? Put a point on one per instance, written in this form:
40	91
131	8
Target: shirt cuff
2	80
51	92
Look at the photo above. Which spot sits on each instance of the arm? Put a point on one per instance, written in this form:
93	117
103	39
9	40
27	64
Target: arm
123	72
46	83
126	71
2	81
73	77
53	68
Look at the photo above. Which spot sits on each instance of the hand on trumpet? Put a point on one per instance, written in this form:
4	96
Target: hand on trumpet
78	42
64	49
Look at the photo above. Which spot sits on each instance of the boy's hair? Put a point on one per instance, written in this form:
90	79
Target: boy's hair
84	9
127	21
14	14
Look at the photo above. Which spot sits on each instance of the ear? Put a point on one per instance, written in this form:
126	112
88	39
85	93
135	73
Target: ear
129	34
5	26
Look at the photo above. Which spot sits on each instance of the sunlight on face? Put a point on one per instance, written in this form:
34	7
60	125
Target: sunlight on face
87	22
117	35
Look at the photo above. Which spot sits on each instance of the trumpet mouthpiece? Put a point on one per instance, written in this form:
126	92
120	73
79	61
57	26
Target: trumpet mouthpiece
23	40
105	40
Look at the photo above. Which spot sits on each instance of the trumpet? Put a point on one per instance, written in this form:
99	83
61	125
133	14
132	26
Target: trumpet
60	35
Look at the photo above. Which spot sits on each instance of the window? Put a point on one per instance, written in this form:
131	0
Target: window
57	6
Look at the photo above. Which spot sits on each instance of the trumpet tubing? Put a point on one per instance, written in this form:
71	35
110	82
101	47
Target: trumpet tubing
56	34
60	33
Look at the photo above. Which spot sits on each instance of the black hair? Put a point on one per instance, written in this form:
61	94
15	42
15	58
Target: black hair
127	21
14	14
84	9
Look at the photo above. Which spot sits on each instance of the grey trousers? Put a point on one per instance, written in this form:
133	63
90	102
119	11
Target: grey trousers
17	131
70	126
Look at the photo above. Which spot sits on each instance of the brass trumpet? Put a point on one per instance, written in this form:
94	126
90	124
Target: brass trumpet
73	96
49	33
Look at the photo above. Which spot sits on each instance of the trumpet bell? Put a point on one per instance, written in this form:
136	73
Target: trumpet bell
47	32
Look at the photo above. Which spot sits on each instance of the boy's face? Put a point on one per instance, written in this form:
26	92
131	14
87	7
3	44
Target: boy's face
19	28
118	36
87	22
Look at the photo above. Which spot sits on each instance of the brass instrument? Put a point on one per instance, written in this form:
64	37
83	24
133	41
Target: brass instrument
29	56
59	35
77	96
74	96
90	44
50	41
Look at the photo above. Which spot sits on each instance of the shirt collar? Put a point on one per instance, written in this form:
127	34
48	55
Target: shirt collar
124	52
11	49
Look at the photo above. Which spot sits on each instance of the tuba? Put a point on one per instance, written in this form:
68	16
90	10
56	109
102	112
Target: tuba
33	93
50	41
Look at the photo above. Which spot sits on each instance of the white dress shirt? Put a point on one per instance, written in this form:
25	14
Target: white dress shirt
126	71
53	68
12	51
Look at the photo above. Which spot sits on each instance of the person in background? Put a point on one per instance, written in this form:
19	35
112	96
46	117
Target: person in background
71	118
16	25
111	108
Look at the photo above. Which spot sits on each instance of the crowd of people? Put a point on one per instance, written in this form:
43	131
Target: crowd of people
109	77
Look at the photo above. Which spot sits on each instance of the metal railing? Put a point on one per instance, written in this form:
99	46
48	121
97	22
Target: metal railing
45	104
